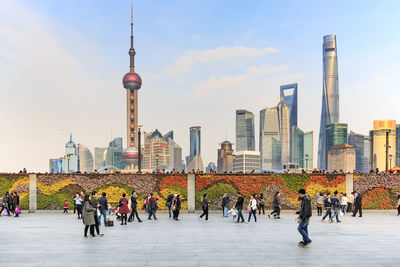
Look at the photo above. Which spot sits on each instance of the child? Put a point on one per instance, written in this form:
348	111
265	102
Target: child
65	207
234	212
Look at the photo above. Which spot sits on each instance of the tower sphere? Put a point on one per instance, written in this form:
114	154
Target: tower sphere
130	155
132	81
132	52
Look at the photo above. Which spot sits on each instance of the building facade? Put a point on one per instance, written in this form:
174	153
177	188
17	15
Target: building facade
246	161
175	151
225	157
336	134
244	130
99	157
309	150
195	142
211	167
358	142
156	151
270	143
113	155
56	165
397	145
383	144
297	146
284	130
342	158
85	159
330	95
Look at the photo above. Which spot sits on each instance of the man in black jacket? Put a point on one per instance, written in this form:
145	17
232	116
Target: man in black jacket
103	207
95	204
152	207
239	207
134	208
357	205
168	203
336	206
304	217
15	203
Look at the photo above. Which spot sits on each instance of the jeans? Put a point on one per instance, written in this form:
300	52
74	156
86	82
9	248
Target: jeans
344	209
336	214
225	212
169	211
96	226
328	212
303	229
261	208
240	215
152	213
104	214
252	212
79	210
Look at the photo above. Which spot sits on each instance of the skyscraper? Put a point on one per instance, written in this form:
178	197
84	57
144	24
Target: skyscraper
85	159
113	154
270	143
383	144
99	157
308	150
132	83
330	95
336	134
297	147
156	151
175	151
289	94
358	142
225	157
246	161
341	157
211	167
195	142
244	130
284	130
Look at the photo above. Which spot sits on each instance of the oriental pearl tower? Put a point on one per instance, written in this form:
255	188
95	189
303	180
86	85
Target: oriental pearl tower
132	83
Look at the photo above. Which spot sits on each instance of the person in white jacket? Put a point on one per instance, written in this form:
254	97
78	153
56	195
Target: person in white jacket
252	208
234	212
343	203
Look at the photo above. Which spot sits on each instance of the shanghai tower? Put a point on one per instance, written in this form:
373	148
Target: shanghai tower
330	95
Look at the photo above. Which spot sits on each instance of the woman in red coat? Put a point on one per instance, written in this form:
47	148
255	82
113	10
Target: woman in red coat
123	209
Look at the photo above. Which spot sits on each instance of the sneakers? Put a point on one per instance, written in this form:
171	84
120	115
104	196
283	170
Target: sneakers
330	220
307	244
338	221
100	235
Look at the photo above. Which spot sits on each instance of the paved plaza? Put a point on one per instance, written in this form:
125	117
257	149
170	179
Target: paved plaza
53	239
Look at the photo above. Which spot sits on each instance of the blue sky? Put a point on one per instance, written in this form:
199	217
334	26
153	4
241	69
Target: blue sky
61	65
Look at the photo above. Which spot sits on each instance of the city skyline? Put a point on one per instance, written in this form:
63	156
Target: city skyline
91	52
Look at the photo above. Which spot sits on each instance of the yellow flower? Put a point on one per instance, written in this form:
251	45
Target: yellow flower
48	190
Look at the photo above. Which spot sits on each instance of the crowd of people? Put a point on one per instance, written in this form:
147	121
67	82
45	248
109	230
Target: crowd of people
335	206
10	205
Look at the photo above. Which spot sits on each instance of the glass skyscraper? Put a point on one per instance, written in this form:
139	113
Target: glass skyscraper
195	142
270	143
308	149
297	147
284	130
330	96
244	130
289	94
358	142
336	134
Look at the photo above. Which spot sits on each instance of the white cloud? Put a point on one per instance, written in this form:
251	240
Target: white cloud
196	37
185	64
267	69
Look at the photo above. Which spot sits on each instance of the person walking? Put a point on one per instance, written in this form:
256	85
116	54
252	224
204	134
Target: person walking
10	204
328	208
276	204
224	205
88	217
152	207
320	203
261	204
335	206
252	208
134	208
65	207
176	206
343	203
103	207
204	206
350	202
16	204
305	214
239	207
78	204
357	205
95	204
168	203
5	204
123	209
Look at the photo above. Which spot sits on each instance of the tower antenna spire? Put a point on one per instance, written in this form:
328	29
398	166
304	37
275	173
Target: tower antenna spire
131	23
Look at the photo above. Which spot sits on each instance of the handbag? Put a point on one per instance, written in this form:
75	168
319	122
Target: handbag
109	223
168	204
17	210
